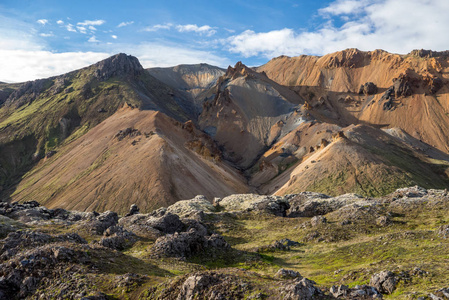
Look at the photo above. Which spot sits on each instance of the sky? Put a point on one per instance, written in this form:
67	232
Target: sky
43	38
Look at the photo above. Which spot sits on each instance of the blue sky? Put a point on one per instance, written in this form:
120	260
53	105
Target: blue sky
41	38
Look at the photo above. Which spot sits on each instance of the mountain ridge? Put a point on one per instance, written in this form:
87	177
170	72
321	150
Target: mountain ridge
238	130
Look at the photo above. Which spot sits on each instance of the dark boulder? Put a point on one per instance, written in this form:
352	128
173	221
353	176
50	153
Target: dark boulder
132	210
368	88
436	83
101	222
301	289
402	86
385	282
117	238
187	244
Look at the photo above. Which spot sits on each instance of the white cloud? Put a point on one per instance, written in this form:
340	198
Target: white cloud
12	39
114	36
167	55
42	21
60	22
82	29
123	24
92	28
70	28
23	65
92	23
47	34
394	25
205	29
342	7
25	55
93	39
158	27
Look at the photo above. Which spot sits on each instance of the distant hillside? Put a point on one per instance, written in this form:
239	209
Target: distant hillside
114	134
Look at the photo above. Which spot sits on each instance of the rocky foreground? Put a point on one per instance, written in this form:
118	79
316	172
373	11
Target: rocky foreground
301	246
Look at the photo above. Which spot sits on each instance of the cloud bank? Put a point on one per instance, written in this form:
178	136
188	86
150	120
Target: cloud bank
393	25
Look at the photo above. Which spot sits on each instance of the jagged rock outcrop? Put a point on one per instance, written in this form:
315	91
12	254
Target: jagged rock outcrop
402	86
428	53
120	65
27	92
187	244
369	88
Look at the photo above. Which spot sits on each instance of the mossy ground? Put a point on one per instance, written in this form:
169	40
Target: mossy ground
345	254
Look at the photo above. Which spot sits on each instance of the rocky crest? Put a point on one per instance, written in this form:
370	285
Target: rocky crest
120	65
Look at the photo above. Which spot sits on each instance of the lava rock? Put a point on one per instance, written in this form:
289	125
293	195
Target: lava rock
132	210
102	222
167	224
357	292
18	240
385	282
117	238
186	244
287	274
301	289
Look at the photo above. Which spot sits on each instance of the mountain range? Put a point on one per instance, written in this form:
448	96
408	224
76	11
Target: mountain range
113	134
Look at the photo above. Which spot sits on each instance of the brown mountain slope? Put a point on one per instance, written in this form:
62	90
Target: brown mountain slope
156	163
360	159
412	92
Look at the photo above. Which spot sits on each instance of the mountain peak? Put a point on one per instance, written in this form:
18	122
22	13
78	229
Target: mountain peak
238	70
120	65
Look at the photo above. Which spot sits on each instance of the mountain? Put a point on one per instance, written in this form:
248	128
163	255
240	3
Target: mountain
37	117
134	156
246	112
409	91
113	134
359	159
